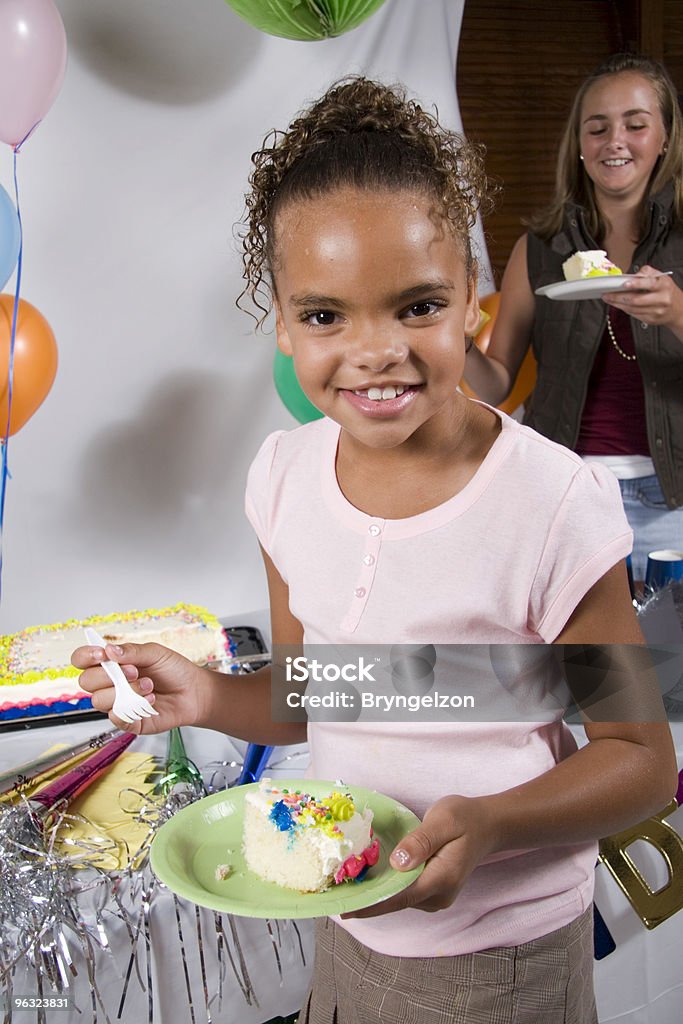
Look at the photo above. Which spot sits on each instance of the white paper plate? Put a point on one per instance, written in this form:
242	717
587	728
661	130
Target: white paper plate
587	288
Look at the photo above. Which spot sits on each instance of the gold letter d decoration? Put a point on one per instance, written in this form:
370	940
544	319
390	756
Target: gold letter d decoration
652	906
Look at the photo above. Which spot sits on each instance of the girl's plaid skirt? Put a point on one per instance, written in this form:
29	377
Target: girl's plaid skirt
547	981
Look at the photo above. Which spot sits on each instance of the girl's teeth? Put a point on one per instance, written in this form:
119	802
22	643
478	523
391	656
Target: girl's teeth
378	394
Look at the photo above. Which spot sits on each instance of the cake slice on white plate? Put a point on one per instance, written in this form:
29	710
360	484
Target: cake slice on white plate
591	263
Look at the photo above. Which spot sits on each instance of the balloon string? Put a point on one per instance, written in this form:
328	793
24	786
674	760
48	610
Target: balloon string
4	441
18	146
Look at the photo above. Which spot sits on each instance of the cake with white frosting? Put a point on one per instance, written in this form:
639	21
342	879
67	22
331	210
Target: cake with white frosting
36	674
591	263
304	842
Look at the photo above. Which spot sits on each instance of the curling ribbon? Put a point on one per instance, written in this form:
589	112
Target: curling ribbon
652	907
4	441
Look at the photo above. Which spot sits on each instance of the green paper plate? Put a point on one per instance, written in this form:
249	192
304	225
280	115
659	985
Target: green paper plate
187	850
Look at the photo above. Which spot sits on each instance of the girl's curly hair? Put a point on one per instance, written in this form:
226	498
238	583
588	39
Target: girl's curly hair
360	134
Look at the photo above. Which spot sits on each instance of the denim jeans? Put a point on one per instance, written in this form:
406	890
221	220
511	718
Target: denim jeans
654	525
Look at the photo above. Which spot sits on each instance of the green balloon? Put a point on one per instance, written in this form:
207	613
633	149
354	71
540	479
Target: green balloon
304	19
289	390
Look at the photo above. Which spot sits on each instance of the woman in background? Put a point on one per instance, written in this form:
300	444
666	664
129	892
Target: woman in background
610	370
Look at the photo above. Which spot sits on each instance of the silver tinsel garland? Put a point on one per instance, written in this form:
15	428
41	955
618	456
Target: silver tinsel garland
59	925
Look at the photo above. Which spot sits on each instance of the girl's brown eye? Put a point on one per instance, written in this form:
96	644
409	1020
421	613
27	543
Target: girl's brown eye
421	309
321	318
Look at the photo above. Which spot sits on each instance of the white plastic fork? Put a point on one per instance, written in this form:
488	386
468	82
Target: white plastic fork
129	706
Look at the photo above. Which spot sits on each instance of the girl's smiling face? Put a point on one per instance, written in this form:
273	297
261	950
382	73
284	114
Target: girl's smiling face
621	135
373	303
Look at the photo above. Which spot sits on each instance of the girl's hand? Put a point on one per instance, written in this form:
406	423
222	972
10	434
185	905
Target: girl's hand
453	839
652	297
168	680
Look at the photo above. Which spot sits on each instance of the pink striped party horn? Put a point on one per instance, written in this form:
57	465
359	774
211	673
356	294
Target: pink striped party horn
14	780
63	790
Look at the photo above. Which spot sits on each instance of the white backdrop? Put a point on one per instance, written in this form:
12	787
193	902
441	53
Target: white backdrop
127	484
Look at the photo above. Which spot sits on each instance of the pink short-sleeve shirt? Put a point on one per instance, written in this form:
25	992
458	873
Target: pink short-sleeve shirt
506	560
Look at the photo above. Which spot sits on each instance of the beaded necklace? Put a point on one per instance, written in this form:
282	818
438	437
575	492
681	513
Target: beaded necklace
624	355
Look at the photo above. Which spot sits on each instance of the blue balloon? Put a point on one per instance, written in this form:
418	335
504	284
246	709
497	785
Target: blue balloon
9	237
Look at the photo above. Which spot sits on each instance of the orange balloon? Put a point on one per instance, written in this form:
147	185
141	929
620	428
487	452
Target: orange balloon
526	378
35	362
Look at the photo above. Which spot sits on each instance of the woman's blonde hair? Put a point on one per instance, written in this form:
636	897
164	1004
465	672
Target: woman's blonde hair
360	134
572	184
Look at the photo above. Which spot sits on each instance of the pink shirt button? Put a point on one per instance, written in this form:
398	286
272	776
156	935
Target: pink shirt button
374	530
359	591
369	560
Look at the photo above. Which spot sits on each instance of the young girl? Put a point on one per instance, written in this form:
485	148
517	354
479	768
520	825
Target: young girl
410	514
609	372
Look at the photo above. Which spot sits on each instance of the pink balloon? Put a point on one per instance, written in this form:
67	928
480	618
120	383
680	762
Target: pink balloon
32	64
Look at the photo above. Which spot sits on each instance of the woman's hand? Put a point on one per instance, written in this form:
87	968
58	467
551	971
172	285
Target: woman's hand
168	680
652	297
453	839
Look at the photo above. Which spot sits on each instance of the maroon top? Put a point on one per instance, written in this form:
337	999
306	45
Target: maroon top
613	421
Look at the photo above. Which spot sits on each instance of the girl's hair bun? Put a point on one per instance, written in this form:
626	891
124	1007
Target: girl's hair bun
360	134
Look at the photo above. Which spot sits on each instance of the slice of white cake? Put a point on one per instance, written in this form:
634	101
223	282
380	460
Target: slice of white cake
591	263
306	843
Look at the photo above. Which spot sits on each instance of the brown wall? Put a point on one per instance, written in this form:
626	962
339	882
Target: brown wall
519	64
672	39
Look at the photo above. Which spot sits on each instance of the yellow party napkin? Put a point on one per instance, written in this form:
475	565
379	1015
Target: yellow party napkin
101	826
